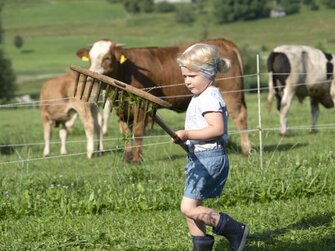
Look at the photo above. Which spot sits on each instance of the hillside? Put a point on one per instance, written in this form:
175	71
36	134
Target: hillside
54	30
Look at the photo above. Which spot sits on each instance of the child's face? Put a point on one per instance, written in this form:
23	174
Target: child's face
194	81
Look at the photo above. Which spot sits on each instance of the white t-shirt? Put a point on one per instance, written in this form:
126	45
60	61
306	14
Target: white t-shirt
210	100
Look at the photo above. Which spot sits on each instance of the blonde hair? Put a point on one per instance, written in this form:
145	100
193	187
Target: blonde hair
205	59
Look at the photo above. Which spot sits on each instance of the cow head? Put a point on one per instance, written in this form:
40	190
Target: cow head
103	56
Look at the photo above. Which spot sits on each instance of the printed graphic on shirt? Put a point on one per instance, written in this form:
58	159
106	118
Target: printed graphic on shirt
210	100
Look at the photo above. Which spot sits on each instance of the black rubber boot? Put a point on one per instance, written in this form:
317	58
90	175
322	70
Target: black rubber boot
203	243
234	231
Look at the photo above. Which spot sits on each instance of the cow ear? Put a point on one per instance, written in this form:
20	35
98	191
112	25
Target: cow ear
120	45
119	54
83	54
122	59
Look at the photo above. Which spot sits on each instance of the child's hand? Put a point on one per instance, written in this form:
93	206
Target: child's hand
182	135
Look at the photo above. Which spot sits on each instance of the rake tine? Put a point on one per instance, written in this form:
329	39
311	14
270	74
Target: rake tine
98	93
83	87
106	95
121	97
76	84
123	89
90	90
112	100
145	108
123	86
139	108
153	113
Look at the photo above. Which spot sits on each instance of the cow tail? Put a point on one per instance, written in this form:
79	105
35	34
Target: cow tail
270	83
240	61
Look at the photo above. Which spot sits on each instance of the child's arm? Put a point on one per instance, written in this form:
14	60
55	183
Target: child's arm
214	129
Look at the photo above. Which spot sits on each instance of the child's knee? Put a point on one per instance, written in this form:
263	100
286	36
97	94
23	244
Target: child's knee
187	209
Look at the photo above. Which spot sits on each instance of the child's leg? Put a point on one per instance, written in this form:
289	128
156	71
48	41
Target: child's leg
198	216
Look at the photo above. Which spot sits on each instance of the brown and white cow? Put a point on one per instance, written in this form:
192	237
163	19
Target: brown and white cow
153	67
301	71
60	108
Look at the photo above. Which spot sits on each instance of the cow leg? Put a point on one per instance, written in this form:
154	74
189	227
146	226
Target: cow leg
69	123
138	132
47	126
87	119
98	122
332	90
124	130
242	125
106	114
315	114
63	137
238	113
284	108
271	91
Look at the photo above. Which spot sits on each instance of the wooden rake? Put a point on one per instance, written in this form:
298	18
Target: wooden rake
125	93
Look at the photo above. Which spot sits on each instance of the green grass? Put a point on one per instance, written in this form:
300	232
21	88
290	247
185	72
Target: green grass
308	229
105	204
71	203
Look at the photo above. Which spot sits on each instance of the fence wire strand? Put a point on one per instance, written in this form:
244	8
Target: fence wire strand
61	101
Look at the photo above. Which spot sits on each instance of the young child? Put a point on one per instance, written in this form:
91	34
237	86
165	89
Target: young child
206	135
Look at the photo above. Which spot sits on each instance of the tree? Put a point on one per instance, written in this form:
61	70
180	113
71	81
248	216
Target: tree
7	78
165	7
185	16
132	6
114	1
1	30
18	41
146	6
237	10
329	3
291	6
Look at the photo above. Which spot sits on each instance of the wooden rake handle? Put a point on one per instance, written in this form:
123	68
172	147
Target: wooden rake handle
102	79
168	130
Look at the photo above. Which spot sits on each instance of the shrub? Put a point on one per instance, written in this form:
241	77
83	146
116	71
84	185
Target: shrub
232	10
329	3
18	41
146	6
185	16
138	6
164	7
131	6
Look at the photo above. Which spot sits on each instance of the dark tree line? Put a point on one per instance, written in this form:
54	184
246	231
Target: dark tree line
239	10
223	11
7	76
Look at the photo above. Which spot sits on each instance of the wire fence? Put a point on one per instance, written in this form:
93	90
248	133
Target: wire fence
260	129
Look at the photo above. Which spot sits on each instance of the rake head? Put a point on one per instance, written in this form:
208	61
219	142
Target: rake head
121	94
113	89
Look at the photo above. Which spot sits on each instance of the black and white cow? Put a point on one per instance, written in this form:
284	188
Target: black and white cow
297	70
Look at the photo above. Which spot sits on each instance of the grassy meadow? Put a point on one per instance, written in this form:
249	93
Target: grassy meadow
71	203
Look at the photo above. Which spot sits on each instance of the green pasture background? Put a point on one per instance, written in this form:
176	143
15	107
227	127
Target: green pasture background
71	203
